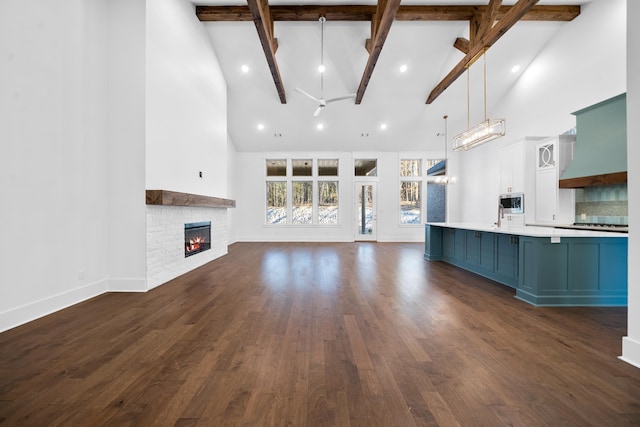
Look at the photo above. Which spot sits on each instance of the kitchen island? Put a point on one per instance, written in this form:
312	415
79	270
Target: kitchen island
546	266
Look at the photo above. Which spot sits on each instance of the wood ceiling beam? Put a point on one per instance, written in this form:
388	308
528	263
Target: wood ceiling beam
488	18
462	45
264	24
478	27
366	12
380	26
514	15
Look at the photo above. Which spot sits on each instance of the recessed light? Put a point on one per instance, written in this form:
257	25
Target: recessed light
515	69
383	126
403	68
321	68
260	126
320	126
245	68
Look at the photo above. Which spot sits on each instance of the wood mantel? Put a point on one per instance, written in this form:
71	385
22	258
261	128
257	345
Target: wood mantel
174	198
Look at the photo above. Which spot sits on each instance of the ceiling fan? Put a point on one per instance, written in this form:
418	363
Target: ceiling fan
322	103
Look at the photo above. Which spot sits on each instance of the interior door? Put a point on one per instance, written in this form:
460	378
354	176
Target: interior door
366	212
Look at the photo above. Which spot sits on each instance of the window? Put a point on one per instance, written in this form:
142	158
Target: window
276	202
276	167
410	202
411	167
328	202
327	167
291	189
411	191
302	167
366	167
302	212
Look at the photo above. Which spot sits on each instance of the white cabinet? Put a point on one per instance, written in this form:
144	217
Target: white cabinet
511	161
553	205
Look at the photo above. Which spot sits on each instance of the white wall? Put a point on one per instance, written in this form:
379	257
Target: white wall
53	146
232	193
84	86
126	114
585	63
631	343
186	103
250	212
186	136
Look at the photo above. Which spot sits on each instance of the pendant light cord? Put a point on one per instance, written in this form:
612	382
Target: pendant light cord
468	99
446	157
322	19
484	60
484	81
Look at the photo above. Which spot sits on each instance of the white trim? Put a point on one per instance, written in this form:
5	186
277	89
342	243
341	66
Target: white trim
127	285
32	311
293	239
630	351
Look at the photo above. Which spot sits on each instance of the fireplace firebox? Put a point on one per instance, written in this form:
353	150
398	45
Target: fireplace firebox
197	237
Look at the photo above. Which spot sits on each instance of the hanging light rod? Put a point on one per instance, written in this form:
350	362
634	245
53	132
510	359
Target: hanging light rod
445	178
485	131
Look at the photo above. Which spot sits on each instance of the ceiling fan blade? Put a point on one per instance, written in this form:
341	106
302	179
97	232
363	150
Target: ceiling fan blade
318	110
340	98
307	94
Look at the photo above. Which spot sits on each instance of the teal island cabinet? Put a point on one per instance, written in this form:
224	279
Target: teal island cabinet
545	265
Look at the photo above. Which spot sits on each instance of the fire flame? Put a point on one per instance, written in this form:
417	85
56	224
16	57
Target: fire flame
194	244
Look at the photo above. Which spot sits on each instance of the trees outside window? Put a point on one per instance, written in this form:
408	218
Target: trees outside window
302	202
276	202
411	191
291	199
410	202
328	202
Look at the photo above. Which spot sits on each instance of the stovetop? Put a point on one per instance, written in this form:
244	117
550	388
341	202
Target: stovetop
619	228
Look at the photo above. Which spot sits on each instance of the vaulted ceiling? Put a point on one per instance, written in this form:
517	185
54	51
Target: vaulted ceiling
365	46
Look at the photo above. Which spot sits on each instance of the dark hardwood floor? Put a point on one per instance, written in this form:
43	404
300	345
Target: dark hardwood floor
341	334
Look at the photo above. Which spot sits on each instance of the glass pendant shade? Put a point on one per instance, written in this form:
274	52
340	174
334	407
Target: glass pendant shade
483	132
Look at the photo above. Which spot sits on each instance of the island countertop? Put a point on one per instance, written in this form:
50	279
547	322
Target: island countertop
528	230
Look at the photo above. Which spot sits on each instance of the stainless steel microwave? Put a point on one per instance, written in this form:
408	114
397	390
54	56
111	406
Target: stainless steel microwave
512	203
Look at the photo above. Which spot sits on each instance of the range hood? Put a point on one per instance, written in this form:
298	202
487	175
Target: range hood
600	155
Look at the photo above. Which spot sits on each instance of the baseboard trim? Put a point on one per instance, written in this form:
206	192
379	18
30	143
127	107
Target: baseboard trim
127	285
630	351
32	311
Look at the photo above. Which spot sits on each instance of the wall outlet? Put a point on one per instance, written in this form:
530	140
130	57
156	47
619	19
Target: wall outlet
583	216
80	274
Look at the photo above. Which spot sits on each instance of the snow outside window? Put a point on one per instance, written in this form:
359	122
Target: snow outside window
411	191
327	202
276	202
302	212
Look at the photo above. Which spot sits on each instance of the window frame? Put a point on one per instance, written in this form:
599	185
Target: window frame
315	178
422	179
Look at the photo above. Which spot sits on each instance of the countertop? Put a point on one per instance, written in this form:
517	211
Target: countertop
528	230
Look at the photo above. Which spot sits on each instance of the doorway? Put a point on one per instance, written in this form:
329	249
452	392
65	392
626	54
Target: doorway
366	213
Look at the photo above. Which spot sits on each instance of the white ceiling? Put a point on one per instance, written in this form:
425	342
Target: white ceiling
394	98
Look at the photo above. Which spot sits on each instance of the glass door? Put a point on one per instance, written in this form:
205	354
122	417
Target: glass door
365	211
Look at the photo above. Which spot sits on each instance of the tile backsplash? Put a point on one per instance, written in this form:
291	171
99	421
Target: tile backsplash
604	204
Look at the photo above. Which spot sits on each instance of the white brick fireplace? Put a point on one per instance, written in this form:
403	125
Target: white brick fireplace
166	218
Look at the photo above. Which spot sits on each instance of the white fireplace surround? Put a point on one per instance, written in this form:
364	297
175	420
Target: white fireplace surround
165	240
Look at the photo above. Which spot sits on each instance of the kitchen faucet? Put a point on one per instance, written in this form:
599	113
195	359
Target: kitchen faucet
500	214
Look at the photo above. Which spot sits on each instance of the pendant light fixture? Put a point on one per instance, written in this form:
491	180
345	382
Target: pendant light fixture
445	179
485	131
